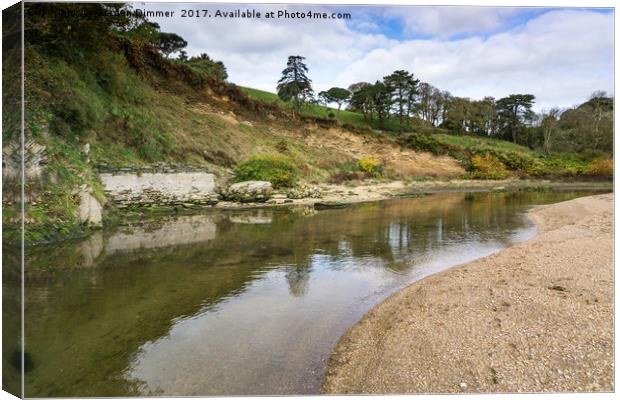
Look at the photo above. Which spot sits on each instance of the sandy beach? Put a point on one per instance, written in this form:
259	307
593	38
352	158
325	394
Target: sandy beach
536	317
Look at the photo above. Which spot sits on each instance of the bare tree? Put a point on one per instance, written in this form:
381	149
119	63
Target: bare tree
549	125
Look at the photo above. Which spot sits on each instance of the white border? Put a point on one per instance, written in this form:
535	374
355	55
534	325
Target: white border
489	3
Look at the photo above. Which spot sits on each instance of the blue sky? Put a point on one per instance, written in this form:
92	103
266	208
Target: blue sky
561	55
395	27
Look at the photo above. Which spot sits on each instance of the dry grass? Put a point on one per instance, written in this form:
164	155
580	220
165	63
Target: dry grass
317	151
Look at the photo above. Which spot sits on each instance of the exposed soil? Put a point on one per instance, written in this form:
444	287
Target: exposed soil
322	147
401	161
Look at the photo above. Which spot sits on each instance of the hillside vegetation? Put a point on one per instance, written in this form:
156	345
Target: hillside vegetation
495	159
104	95
578	154
344	117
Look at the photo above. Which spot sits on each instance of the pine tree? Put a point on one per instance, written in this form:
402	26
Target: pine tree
295	86
403	87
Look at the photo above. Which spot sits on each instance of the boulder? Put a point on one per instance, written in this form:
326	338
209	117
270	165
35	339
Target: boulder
90	211
248	192
303	191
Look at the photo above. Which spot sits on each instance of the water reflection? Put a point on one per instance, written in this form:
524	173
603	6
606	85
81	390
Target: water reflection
298	278
239	302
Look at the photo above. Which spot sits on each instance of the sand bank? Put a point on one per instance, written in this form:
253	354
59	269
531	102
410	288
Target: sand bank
535	317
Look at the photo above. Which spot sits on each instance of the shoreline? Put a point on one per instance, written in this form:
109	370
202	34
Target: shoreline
535	317
364	192
345	194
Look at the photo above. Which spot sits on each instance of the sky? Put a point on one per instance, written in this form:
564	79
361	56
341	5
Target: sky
560	55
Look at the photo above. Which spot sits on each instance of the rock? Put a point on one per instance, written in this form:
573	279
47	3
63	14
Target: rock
329	205
141	188
248	192
303	191
89	209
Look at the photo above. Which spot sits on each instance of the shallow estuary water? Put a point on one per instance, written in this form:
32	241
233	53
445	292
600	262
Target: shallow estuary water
237	302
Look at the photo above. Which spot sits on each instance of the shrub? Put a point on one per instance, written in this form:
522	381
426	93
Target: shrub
370	165
601	167
568	165
487	167
275	168
520	162
76	104
426	143
204	63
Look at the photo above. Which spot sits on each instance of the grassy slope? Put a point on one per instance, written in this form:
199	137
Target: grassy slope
344	116
470	142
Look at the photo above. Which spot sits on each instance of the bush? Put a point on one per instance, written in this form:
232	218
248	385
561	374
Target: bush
428	143
568	165
487	167
523	163
275	168
370	165
601	167
424	142
76	105
204	63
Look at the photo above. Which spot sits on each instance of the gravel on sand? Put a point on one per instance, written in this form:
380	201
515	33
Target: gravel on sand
536	317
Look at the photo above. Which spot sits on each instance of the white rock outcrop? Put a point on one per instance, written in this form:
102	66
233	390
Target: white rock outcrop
89	210
248	192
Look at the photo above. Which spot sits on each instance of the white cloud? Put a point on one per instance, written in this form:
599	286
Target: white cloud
446	21
560	56
255	51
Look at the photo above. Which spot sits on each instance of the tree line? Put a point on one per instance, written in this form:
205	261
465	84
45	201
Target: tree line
72	31
401	97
